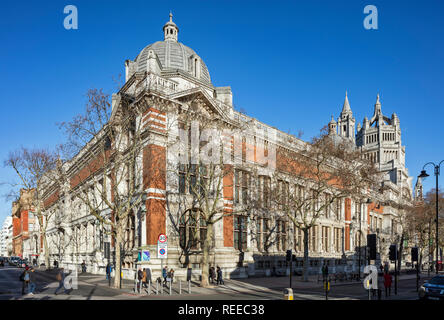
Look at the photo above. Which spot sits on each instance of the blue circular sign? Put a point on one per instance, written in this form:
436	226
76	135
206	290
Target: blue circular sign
162	251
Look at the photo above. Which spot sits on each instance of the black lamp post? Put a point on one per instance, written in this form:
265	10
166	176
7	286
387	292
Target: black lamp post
425	175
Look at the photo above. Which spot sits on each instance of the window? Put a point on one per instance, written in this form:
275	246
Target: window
191	232
298	243
240	232
241	186
262	233
325	239
283	189
193	179
313	244
281	235
327	205
264	188
337	239
182	178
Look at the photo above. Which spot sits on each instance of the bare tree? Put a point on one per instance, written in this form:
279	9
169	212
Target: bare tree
36	170
203	184
109	182
311	180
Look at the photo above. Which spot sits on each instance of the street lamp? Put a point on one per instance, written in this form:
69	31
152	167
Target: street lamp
425	175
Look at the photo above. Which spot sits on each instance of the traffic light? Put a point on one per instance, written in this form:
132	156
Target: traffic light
288	257
392	252
414	254
371	243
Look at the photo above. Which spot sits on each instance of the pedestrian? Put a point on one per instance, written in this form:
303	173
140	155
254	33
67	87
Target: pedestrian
139	278
31	284
212	274
61	279
144	285
24	278
83	266
165	274
171	275
148	275
387	283
108	271
219	279
325	271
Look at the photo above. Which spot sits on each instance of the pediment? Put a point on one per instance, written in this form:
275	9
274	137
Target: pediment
199	99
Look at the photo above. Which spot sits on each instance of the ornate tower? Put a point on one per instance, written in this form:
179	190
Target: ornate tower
170	30
346	121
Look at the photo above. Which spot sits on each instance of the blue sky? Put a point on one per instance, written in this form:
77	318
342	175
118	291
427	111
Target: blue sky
288	63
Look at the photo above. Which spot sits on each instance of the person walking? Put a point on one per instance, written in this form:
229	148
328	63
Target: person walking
31	284
108	271
171	275
212	274
324	271
61	279
148	275
144	281
83	266
387	283
24	277
219	276
165	274
139	278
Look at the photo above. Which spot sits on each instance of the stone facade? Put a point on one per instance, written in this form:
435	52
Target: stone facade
170	76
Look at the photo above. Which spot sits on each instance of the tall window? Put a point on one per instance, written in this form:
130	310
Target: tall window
281	235
262	233
240	232
313	231
241	186
298	243
338	209
193	178
264	188
191	231
325	239
182	178
283	188
327	205
337	239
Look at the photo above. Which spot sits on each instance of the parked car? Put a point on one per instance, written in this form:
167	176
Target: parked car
433	289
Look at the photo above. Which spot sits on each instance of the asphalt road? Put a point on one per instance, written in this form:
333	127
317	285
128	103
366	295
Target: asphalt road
91	287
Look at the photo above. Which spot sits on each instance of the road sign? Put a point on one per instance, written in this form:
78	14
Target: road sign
162	247
162	238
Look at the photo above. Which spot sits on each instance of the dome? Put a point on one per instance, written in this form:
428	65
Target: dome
172	55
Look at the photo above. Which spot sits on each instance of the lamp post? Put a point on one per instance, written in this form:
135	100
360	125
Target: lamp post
425	175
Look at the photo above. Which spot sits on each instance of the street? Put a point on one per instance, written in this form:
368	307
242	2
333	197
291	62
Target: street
95	287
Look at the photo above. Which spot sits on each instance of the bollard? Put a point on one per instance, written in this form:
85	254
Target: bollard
189	286
288	294
157	287
180	286
170	286
149	287
161	288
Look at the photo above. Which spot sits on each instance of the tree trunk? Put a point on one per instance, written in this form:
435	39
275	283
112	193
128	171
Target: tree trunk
45	248
206	247
401	247
306	258
118	270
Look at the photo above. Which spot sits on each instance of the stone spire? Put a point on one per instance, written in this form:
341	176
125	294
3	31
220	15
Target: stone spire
346	107
170	30
377	114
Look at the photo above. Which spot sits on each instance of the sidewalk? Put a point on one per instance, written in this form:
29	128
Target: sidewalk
266	286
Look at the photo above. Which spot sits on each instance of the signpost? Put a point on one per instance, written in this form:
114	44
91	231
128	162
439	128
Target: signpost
162	249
